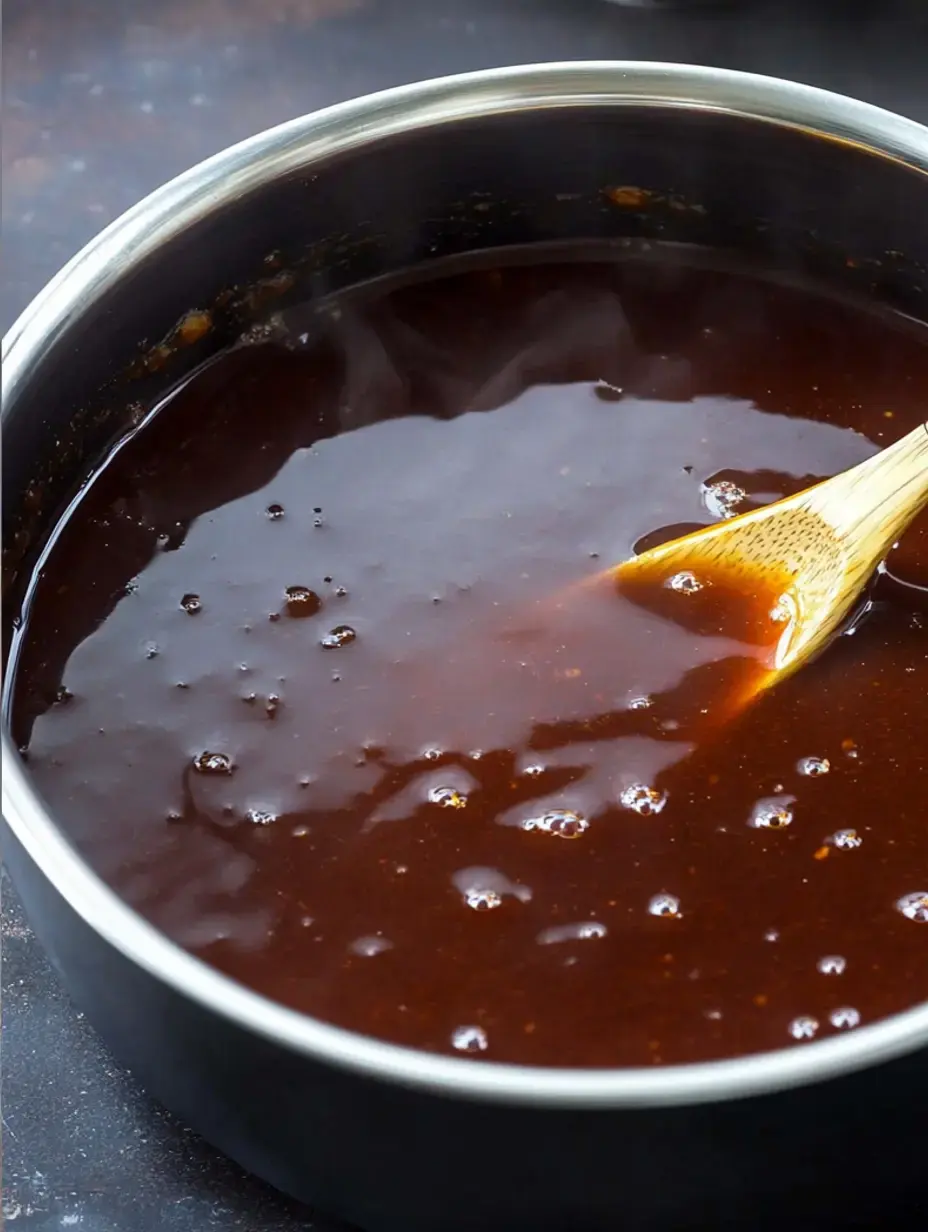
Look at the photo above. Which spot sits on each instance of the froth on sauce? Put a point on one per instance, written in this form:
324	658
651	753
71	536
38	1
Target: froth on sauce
326	675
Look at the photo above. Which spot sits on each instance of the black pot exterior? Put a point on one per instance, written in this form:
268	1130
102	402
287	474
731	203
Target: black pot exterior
614	154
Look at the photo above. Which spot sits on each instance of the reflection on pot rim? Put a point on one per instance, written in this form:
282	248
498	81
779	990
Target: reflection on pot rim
203	191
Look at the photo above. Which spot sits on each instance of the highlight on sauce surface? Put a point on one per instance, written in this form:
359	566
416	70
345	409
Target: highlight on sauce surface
326	674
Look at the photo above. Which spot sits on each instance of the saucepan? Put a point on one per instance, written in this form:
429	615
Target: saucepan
391	1139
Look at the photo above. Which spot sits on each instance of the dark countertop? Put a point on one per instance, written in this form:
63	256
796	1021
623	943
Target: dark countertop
104	100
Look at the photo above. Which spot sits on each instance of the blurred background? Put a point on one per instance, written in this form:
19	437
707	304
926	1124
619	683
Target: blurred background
102	101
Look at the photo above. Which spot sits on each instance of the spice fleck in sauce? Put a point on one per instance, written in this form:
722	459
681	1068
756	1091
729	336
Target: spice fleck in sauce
326	673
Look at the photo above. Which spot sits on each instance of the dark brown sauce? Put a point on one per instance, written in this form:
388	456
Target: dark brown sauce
317	675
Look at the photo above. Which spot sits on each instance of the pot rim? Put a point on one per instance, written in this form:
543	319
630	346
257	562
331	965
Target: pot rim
207	187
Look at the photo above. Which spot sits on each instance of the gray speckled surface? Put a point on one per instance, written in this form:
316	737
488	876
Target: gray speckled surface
105	99
84	1148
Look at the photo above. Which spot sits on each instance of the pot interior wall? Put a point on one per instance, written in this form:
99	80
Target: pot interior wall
801	204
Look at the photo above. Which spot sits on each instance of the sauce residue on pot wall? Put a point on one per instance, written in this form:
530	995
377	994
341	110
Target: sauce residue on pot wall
310	677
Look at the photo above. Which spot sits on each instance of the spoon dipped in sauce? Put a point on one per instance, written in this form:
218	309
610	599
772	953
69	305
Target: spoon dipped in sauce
785	578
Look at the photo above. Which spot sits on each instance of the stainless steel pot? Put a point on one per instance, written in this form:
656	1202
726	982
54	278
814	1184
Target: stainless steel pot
395	1140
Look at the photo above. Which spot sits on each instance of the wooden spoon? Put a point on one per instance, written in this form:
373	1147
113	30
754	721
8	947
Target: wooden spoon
812	553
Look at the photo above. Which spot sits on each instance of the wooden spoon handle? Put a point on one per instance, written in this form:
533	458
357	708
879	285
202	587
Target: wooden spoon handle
871	505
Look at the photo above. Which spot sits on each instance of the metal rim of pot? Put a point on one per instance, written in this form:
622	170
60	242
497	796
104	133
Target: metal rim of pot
205	188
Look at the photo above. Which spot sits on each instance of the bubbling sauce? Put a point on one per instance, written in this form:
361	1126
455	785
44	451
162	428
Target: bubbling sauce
326	674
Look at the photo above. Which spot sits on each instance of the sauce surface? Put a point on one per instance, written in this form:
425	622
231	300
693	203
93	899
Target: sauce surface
325	672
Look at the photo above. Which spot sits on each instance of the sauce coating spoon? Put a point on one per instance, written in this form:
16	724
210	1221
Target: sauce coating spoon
805	559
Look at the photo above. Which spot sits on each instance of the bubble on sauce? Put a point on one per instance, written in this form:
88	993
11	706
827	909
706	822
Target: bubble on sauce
274	512
805	1027
469	1039
684	583
722	497
447	797
666	906
483	889
772	934
642	702
213	763
431	753
813	767
845	840
845	1018
533	770
772	813
647	801
914	906
341	635
784	610
562	823
302	602
191	604
370	947
481	898
832	964
260	817
587	930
